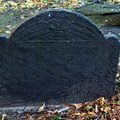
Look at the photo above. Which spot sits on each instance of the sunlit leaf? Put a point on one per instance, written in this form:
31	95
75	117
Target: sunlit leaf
1	31
106	109
41	108
96	108
77	106
8	32
79	114
92	113
101	101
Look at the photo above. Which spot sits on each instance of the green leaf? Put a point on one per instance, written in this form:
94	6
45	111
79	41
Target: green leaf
37	11
89	116
89	107
109	106
2	29
98	25
53	5
104	113
57	117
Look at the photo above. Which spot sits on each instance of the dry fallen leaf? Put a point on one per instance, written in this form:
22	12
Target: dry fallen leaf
96	108
106	109
3	116
101	101
102	118
79	114
41	107
92	113
77	106
8	32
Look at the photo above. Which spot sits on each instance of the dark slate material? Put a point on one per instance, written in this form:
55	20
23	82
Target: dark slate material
59	56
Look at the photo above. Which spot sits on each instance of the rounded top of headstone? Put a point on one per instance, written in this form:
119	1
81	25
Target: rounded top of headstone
57	24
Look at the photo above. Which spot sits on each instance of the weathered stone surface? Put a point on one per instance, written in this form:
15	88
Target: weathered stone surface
59	56
101	14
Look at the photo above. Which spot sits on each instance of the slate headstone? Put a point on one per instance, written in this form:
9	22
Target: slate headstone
60	56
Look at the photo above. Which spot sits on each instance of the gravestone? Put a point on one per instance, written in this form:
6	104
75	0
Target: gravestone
58	56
